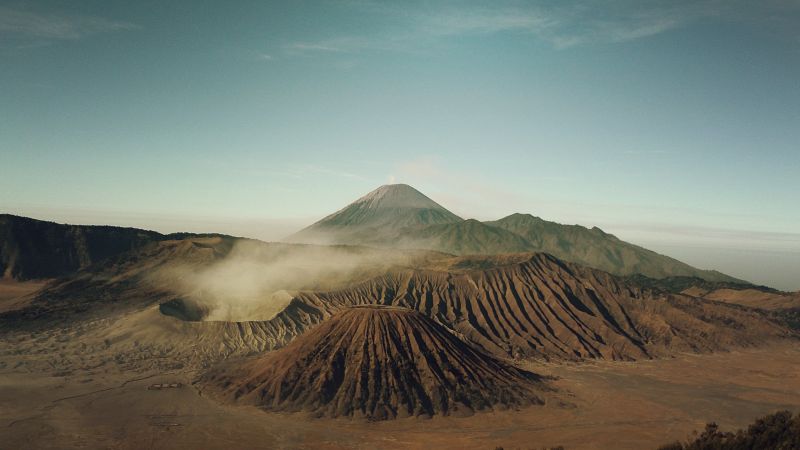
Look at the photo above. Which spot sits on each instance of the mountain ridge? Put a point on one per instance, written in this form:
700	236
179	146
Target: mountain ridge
595	248
391	216
412	220
38	249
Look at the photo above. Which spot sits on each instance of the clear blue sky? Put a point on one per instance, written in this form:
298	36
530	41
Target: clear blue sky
673	124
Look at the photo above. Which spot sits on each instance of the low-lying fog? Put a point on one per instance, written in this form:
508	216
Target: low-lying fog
256	280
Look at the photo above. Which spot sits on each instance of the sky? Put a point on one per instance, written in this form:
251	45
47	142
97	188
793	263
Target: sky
671	124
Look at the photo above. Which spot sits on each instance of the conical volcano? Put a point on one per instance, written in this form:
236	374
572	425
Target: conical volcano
399	216
376	217
377	363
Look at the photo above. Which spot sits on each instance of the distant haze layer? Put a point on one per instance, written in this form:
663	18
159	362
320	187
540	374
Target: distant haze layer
774	268
773	264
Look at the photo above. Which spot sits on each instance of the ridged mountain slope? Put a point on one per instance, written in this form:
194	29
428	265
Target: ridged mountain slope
525	305
468	237
376	363
595	248
544	307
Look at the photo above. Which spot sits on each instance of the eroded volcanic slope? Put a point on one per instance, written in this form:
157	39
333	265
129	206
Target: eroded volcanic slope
523	305
543	307
377	363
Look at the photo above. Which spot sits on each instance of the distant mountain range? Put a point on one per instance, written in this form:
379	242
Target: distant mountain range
398	215
31	249
392	216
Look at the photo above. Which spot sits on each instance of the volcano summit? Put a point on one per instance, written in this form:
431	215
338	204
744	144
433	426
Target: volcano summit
378	216
377	362
399	216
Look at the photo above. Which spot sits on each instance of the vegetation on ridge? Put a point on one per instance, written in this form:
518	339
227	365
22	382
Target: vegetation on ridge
778	431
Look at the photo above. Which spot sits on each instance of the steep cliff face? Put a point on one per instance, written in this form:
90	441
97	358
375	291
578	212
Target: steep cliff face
377	363
32	248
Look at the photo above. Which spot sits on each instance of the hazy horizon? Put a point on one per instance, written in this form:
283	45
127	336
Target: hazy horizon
758	261
673	125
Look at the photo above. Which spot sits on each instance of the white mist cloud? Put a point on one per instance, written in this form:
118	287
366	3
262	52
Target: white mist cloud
562	24
47	26
257	280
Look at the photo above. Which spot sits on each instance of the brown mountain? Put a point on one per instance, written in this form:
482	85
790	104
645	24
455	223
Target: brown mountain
31	249
526	305
540	306
377	363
